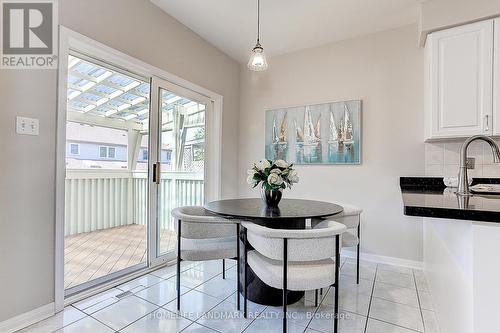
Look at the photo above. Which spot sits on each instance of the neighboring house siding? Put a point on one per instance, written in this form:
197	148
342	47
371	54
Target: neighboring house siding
90	151
166	156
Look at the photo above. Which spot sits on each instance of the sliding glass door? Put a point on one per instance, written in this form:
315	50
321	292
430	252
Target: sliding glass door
135	149
106	186
180	158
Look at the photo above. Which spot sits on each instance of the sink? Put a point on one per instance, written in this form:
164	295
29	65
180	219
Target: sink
486	188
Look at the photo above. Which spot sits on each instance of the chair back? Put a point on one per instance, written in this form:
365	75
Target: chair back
350	216
350	221
303	244
349	210
198	223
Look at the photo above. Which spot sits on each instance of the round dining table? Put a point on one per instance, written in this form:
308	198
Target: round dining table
289	214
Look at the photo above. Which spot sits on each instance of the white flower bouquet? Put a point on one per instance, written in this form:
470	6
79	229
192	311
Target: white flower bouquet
274	175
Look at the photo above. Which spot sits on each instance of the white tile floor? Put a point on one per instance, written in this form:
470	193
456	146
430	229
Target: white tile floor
389	299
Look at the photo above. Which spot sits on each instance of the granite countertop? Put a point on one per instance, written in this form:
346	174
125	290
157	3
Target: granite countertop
428	197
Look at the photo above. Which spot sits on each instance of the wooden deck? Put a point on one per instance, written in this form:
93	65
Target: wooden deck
90	255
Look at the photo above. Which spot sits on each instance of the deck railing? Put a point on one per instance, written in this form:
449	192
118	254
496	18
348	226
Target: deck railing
98	199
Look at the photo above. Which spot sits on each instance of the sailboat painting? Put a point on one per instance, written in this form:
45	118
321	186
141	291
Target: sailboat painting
328	133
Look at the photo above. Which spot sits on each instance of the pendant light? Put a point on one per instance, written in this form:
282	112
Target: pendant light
257	61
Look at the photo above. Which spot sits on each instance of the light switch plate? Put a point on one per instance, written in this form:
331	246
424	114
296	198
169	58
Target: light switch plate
27	126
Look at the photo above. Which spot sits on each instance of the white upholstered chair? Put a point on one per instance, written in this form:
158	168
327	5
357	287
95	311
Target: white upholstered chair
351	218
303	259
202	235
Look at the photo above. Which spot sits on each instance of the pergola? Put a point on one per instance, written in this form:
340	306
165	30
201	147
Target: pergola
101	95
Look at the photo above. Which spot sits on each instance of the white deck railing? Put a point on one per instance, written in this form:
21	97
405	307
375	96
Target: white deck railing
97	199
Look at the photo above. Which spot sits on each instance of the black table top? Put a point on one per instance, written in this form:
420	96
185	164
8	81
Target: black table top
288	209
428	197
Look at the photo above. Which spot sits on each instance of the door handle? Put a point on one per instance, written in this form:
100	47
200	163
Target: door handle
487	123
156	173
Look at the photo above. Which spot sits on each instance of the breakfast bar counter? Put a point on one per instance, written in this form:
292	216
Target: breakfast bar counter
459	242
428	197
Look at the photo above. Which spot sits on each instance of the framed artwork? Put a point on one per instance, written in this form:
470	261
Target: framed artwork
328	133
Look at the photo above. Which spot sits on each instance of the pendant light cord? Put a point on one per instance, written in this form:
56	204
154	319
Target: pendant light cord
258	21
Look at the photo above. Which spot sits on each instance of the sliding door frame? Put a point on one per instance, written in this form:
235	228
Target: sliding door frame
73	41
157	84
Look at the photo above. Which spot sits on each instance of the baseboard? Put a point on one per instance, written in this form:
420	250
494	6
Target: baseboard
28	318
384	259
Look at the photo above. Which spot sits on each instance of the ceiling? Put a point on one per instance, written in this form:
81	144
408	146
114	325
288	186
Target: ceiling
287	25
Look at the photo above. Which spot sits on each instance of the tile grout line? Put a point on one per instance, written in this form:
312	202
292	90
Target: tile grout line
134	294
395	285
157	307
196	323
147	287
255	318
216	305
391	301
204	293
418	298
88	307
102	323
317	308
142	298
397	325
325	295
122	291
91	315
227	297
60	328
324	298
221	300
210	309
371	298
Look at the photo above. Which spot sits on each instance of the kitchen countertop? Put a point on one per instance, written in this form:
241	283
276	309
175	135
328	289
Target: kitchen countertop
428	197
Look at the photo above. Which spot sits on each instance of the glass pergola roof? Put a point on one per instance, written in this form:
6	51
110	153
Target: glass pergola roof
99	91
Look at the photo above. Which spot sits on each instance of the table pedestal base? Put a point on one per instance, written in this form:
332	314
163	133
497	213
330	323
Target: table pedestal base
261	293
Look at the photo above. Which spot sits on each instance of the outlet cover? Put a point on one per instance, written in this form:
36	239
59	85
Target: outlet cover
27	126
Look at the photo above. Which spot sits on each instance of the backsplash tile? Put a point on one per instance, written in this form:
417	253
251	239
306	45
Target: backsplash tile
442	159
434	154
491	170
451	153
434	170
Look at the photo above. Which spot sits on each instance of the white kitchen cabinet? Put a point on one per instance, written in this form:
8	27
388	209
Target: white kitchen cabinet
459	82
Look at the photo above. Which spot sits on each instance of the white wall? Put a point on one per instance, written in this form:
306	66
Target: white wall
385	70
27	173
441	14
146	32
137	28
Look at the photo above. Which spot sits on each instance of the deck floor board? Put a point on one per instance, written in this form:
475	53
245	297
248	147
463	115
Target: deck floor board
91	255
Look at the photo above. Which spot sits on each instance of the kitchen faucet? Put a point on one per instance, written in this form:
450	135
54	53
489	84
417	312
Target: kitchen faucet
463	179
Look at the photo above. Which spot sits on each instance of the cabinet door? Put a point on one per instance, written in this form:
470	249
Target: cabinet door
496	80
461	81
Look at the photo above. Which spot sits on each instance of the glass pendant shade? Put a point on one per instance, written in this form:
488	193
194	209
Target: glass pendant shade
257	61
